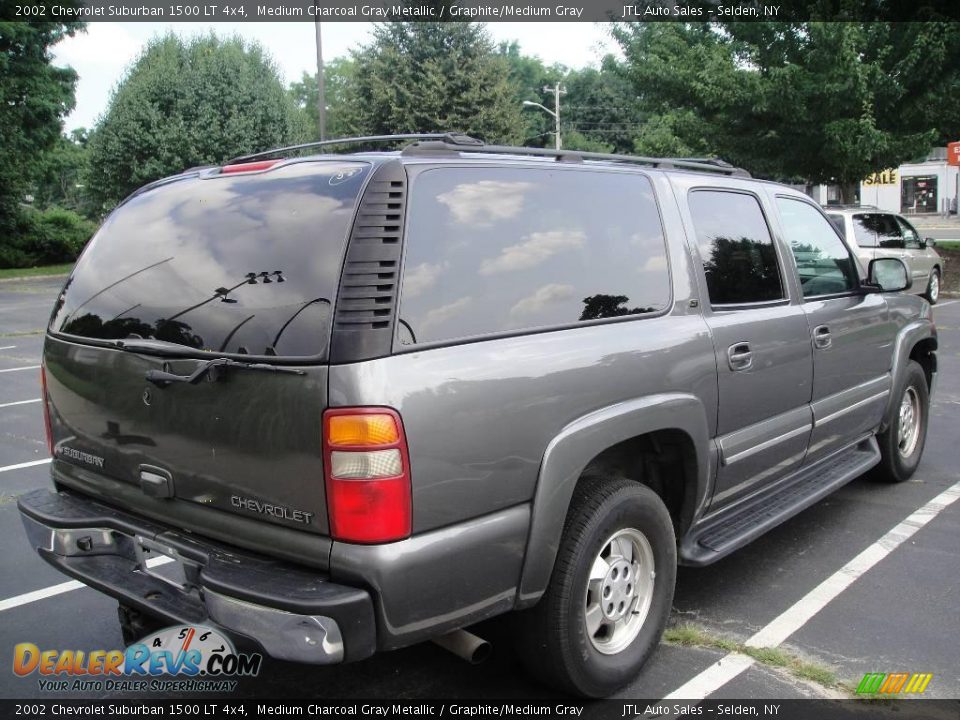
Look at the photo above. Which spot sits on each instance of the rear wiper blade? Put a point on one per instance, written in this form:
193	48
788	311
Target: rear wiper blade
156	347
162	378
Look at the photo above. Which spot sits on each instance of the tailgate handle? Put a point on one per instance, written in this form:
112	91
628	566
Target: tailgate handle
156	482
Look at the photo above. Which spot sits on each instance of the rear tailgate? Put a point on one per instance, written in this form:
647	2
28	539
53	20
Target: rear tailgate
244	266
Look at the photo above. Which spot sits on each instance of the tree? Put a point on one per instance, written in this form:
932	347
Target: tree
60	175
186	103
817	102
431	77
338	75
528	76
34	98
601	106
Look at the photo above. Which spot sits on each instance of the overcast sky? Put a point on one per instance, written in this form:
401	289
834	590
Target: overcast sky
102	54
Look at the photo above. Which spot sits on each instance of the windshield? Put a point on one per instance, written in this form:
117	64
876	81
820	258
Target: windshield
245	264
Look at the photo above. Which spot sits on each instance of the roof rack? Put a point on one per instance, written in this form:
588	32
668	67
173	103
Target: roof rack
452	139
440	147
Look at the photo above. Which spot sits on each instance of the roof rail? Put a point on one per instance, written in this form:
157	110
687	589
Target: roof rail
435	147
453	139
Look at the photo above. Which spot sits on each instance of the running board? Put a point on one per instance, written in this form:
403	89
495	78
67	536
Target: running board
722	534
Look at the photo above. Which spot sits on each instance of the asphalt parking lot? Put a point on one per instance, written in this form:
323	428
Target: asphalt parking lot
833	588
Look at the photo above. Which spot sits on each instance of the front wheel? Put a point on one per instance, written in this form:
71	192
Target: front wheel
610	594
933	287
901	444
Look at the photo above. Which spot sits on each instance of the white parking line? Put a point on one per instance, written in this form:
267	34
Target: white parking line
8	347
53	590
20	402
20	466
948	302
26	367
716	676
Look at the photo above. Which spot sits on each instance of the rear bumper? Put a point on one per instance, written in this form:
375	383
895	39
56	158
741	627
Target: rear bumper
293	613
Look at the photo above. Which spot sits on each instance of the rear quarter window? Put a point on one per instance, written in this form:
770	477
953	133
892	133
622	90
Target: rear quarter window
233	264
494	250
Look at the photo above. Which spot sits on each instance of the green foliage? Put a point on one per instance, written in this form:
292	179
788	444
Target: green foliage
45	237
34	98
430	77
820	102
528	76
602	106
186	103
61	172
338	76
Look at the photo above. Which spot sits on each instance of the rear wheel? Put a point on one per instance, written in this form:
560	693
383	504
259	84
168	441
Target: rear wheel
610	593
901	444
933	287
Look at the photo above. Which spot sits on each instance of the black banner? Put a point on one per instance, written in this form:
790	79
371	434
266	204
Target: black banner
471	709
485	10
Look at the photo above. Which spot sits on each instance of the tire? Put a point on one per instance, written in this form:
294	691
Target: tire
900	453
553	639
933	287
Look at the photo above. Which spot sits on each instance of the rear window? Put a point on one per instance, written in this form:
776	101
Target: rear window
493	250
245	264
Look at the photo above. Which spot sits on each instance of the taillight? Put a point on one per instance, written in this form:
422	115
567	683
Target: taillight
248	167
45	400
368	475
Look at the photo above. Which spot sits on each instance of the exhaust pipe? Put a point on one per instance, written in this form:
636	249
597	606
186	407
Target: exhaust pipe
465	645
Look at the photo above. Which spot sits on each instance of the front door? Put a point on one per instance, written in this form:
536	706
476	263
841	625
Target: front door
852	347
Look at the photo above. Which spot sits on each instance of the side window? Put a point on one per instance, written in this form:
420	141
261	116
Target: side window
865	230
911	239
823	261
738	255
492	250
888	232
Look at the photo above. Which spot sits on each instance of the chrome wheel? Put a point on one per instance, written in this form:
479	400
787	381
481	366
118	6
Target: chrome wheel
934	291
619	591
908	427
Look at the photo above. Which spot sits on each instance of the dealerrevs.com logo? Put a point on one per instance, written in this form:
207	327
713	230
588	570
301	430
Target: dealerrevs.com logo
199	659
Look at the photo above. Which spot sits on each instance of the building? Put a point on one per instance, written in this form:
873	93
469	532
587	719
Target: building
928	187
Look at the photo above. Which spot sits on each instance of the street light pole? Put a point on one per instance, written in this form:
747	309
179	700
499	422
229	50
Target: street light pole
557	92
321	100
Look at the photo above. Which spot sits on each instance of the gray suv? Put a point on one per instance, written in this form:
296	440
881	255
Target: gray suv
354	402
876	234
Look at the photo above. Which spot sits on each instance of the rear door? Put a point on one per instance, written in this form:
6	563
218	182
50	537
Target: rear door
760	338
852	345
242	266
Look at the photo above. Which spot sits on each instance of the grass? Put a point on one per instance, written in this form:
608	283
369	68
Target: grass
7	273
948	244
690	635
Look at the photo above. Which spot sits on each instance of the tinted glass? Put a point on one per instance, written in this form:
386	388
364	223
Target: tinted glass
823	261
888	232
911	239
739	259
502	249
865	230
230	264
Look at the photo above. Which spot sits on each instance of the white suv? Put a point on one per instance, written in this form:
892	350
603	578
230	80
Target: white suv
873	234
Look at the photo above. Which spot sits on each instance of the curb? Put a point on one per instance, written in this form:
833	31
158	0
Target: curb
27	278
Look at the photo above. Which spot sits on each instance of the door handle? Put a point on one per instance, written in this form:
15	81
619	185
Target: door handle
739	356
822	340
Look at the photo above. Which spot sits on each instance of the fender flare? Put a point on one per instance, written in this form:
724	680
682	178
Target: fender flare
571	450
906	340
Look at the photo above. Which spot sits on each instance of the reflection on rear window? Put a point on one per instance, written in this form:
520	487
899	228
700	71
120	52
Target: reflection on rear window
230	264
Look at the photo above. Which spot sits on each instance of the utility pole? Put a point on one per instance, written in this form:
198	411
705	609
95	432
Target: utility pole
557	92
321	100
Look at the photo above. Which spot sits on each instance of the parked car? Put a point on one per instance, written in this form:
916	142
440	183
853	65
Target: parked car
877	234
359	401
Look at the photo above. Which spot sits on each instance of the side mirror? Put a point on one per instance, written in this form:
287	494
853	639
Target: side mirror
889	274
929	242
